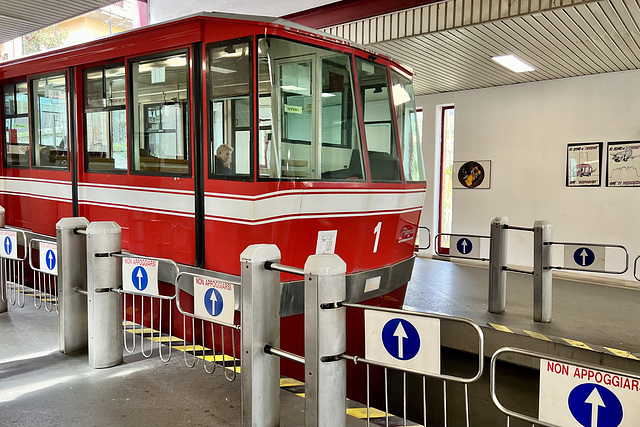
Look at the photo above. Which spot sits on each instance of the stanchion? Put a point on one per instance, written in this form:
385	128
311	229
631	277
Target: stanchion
104	307
3	279
542	277
325	341
260	379
497	265
72	277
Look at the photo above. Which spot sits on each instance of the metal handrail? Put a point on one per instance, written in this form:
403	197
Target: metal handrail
600	245
419	248
14	267
533	354
357	359
48	274
439	235
635	268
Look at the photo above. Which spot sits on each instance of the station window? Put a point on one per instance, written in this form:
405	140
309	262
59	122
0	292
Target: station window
105	119
229	93
160	114
378	121
50	128
16	124
308	120
406	116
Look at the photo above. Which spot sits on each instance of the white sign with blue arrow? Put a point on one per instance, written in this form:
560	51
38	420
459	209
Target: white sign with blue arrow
214	300
402	340
465	246
49	258
140	276
584	257
581	397
9	242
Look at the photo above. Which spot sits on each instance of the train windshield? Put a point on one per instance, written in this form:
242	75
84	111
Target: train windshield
307	113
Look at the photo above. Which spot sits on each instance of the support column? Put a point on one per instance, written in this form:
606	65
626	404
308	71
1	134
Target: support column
542	276
497	265
325	382
104	307
72	274
260	326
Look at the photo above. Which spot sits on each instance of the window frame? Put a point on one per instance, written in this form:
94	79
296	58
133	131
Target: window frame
209	99
131	111
109	109
5	116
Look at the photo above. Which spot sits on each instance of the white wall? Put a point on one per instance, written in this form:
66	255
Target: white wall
524	130
163	10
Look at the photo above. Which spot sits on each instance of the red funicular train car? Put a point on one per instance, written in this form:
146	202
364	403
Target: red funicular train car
204	135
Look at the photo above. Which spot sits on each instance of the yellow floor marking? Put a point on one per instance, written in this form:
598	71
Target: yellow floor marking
362	412
622	353
218	358
231	368
578	344
141	331
290	382
166	339
537	335
300	394
188	348
500	328
129	323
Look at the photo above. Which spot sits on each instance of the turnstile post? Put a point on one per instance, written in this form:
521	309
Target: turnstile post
3	279
497	265
104	308
542	276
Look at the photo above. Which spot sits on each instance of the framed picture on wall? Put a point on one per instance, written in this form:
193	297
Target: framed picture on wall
472	174
584	164
623	167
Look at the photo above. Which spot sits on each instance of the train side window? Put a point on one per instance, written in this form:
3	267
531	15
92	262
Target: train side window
229	94
160	114
50	131
379	127
16	124
105	119
406	116
308	119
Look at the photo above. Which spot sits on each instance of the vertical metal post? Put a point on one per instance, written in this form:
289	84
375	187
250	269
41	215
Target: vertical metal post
325	339
72	274
542	278
260	326
104	308
3	281
497	264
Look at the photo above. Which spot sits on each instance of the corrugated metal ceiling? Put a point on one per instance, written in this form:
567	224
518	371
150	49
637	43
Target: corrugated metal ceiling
450	44
18	18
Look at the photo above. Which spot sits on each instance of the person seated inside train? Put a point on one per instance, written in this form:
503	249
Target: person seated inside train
223	160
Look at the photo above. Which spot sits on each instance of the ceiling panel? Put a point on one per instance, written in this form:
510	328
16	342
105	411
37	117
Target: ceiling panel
18	18
449	45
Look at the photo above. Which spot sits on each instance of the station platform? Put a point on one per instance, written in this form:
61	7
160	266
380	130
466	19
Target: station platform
592	322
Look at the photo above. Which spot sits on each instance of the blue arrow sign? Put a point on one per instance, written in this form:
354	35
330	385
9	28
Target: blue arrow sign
401	339
593	405
51	259
213	301
7	245
584	257
464	246
140	278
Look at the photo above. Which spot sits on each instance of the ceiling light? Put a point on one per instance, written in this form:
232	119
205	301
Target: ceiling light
513	63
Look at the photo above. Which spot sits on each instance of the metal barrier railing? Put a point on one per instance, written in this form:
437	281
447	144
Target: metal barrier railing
423	248
635	269
45	275
465	246
151	297
214	304
586	257
415	324
12	269
573	392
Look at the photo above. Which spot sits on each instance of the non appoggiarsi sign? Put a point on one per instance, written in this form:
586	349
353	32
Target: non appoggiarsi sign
582	397
140	275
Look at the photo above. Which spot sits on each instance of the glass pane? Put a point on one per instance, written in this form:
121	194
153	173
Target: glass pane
406	118
378	124
9	100
22	98
93	90
161	115
115	87
17	141
104	88
50	130
341	154
229	86
106	139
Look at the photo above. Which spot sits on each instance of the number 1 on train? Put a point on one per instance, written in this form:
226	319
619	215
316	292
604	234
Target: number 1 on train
376	231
